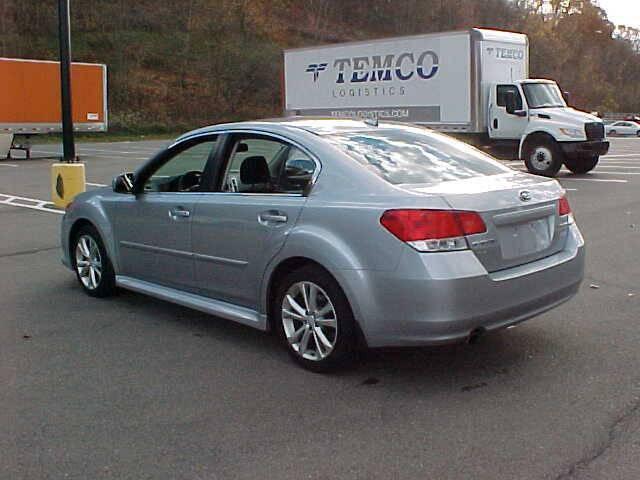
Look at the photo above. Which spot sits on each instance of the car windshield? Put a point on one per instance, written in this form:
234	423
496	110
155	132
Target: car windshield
543	95
413	155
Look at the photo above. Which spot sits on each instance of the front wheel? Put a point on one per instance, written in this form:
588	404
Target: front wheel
91	263
314	319
543	157
581	165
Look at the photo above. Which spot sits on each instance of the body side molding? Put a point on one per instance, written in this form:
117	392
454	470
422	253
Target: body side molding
218	308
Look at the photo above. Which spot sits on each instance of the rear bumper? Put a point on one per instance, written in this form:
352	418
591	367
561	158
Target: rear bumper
574	150
442	298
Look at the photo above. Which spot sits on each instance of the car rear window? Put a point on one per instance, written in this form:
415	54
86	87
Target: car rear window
413	155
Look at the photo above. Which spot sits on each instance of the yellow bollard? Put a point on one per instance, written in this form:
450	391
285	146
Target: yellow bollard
67	181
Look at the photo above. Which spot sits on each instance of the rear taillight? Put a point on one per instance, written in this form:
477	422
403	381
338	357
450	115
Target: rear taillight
433	230
563	207
564	211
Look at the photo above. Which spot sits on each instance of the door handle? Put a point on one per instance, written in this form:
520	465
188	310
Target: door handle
178	212
495	123
272	217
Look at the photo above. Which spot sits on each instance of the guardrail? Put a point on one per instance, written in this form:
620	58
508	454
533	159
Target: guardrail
616	116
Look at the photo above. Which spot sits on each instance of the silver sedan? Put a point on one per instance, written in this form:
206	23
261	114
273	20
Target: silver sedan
623	128
333	233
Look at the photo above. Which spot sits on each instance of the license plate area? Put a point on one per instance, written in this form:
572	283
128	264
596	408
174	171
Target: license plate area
525	238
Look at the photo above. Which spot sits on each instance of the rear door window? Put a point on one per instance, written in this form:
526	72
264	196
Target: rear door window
267	165
412	155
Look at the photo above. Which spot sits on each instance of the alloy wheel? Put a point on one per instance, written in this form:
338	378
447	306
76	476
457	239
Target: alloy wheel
309	320
88	262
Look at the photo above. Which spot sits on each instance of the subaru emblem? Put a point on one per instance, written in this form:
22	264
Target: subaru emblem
525	195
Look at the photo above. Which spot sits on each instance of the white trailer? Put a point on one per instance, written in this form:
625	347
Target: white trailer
466	82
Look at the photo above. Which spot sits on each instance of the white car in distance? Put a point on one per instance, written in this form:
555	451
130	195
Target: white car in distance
623	128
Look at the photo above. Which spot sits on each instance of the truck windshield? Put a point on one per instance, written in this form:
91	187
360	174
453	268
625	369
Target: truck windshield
412	155
543	95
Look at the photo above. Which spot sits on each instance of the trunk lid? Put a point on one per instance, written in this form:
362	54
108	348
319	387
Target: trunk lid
519	210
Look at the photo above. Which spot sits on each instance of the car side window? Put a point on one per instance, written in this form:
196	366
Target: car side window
501	97
267	165
184	171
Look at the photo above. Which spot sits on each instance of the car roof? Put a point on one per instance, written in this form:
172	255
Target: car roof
315	125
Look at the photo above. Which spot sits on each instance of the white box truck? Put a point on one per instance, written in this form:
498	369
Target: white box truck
472	82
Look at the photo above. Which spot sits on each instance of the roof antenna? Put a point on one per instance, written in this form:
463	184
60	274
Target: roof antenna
371	121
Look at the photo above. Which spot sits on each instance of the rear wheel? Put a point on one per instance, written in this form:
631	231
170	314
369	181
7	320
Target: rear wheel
581	165
638	133
314	319
91	263
543	157
613	133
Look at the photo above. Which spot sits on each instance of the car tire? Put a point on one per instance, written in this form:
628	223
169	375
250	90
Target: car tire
581	165
543	157
321	317
612	133
95	275
638	133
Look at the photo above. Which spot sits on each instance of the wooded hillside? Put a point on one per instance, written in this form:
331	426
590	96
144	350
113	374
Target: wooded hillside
185	63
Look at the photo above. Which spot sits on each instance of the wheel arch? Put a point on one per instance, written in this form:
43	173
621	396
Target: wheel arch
282	268
537	135
81	222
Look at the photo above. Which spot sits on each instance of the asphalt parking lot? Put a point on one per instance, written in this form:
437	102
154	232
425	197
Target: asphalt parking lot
133	388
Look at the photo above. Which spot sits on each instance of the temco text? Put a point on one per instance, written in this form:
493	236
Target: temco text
382	68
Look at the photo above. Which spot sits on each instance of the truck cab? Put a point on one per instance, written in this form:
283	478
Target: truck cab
534	112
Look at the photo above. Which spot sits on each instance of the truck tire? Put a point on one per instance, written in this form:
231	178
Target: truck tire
543	156
581	165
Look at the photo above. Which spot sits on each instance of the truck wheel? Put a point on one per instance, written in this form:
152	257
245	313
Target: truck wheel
581	165
543	157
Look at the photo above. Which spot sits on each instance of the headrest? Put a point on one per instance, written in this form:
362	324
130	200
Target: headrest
254	170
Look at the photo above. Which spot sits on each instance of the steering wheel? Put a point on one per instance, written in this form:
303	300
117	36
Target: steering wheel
189	181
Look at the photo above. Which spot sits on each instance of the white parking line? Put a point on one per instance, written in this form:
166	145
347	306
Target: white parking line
599	171
621	155
96	184
33	203
618	165
604	180
8	165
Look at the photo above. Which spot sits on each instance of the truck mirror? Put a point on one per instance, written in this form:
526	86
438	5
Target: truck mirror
566	97
510	102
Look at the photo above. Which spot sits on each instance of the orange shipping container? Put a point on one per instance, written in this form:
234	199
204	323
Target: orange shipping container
30	96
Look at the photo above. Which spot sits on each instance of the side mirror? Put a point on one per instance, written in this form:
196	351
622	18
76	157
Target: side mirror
567	97
510	101
512	105
123	183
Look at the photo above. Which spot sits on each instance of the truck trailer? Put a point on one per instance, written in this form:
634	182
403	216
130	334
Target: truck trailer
30	100
473	83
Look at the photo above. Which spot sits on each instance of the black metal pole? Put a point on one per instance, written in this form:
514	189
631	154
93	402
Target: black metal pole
65	80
